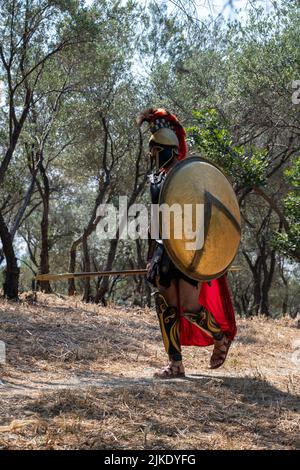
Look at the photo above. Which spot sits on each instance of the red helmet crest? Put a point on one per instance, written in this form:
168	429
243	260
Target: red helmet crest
158	118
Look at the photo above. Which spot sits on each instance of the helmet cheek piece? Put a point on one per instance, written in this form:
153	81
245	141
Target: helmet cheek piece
162	155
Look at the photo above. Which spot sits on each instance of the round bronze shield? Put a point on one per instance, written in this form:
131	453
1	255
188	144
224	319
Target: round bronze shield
203	233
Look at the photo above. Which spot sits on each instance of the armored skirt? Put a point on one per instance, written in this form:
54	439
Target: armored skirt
161	265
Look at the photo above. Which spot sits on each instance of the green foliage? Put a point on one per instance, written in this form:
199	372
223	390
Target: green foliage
289	242
245	165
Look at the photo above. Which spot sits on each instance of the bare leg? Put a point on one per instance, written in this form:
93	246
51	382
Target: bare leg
189	296
169	293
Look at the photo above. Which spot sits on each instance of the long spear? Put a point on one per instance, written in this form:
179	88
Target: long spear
54	277
127	272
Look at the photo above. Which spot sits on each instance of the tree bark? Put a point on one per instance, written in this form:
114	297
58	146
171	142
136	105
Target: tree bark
72	265
12	272
44	191
86	268
104	286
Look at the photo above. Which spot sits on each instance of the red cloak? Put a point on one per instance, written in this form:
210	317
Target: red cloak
215	297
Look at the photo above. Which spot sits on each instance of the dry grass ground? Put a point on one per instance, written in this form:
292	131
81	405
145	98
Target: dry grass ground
79	376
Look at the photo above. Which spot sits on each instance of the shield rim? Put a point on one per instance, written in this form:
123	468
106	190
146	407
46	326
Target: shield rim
165	241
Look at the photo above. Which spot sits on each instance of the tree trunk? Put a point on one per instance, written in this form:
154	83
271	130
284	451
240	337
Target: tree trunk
12	272
256	293
264	303
44	256
86	268
72	266
285	301
143	283
268	272
100	295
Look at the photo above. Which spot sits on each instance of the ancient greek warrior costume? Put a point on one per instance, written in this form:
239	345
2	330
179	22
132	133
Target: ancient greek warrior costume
215	316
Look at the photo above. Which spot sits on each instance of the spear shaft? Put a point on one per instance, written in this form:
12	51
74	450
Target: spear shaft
127	272
55	277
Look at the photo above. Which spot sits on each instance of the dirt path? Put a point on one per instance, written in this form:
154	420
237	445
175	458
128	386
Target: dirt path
80	376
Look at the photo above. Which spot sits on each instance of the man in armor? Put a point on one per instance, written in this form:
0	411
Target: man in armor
190	312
